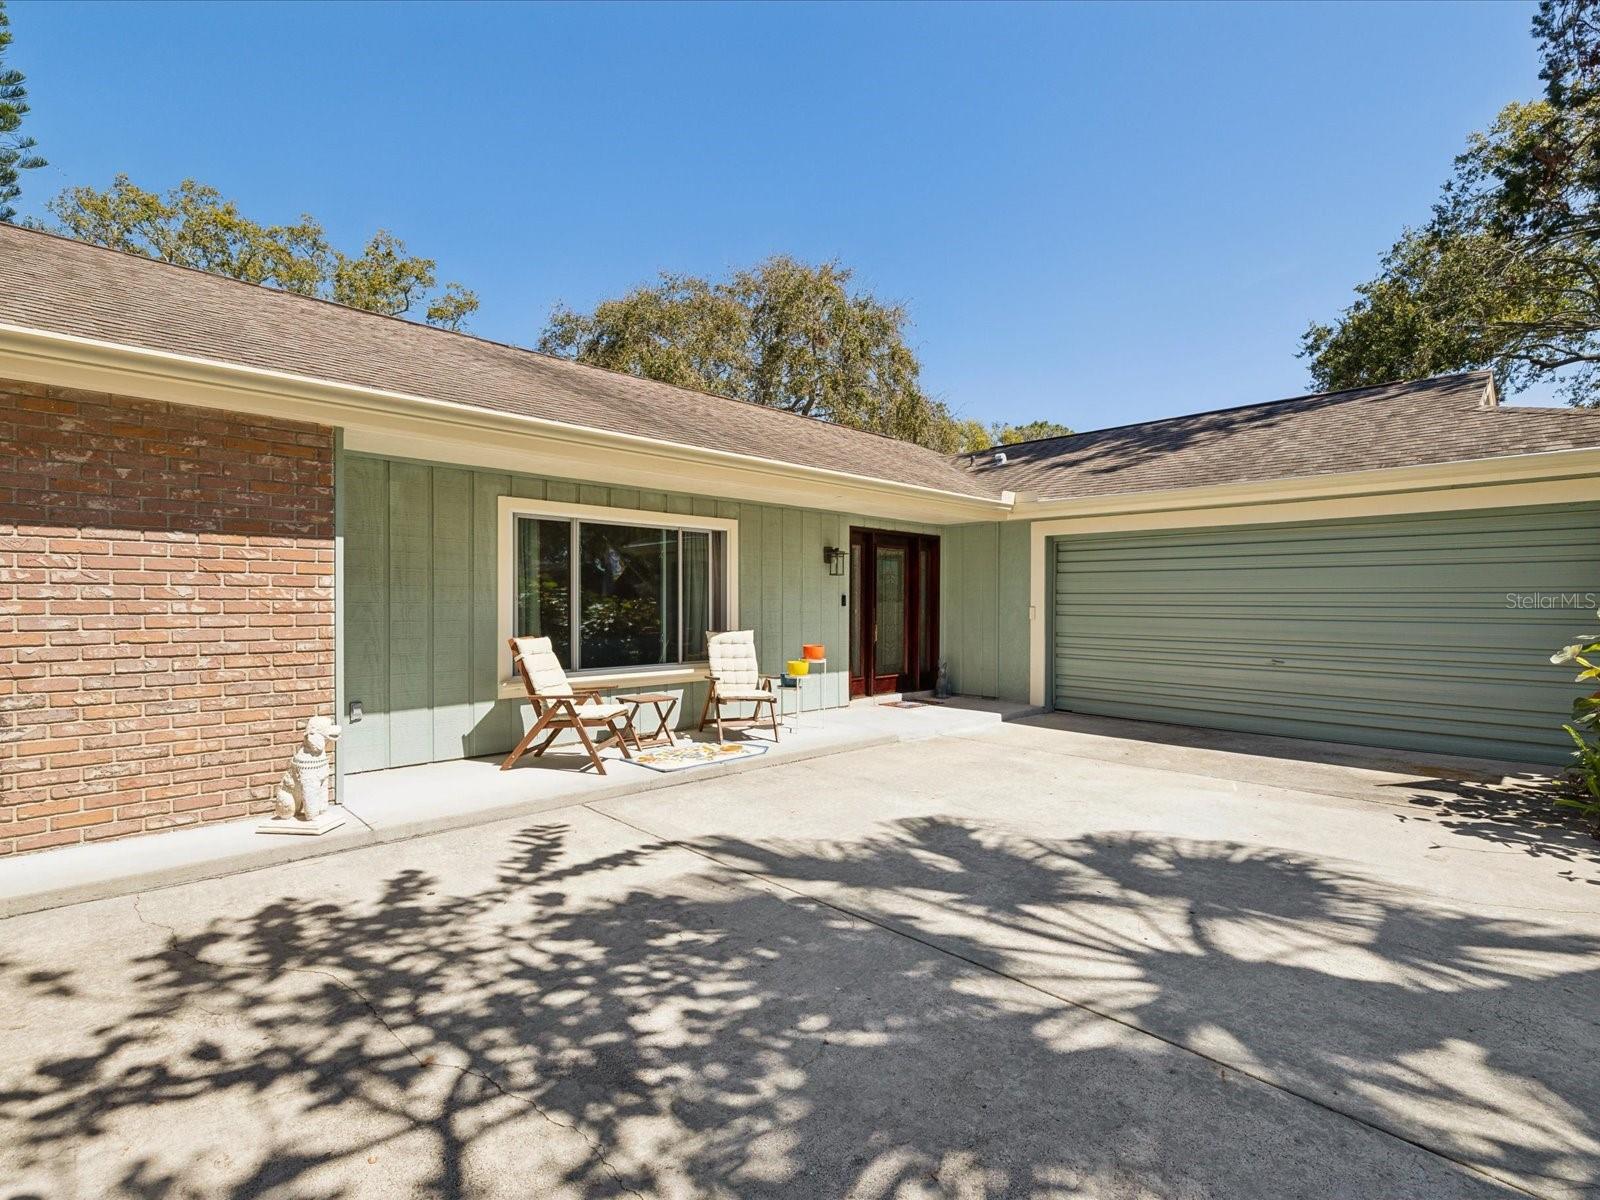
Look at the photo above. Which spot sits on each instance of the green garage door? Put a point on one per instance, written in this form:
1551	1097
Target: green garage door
1425	632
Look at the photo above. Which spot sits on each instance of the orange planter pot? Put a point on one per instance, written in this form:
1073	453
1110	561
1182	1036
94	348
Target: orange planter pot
814	652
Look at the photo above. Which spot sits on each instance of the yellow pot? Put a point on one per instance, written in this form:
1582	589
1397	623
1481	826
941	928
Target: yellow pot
799	666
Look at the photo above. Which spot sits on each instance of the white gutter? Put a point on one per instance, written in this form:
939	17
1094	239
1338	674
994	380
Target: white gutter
377	417
1502	469
406	425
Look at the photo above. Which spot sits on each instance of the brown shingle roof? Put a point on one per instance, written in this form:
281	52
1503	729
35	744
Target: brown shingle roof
1448	419
61	286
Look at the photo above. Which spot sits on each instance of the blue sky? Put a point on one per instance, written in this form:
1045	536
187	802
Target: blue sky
1098	214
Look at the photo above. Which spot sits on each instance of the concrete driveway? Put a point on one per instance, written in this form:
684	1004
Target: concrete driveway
1064	958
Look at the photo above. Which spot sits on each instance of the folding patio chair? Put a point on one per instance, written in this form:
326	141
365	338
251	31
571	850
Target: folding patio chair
558	706
734	678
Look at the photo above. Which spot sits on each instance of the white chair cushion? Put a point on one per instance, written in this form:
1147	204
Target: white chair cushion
544	668
733	659
743	693
599	711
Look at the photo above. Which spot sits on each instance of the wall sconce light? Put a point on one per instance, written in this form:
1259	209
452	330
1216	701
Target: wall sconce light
835	559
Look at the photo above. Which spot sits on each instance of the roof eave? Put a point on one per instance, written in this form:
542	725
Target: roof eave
1456	473
441	430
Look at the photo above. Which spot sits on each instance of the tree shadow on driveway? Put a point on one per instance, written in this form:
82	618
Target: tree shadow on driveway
938	1010
1515	813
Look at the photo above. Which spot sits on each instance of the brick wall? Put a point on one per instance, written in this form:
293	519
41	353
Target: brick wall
166	611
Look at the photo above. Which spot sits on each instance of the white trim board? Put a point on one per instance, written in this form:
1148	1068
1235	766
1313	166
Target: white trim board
401	425
1545	466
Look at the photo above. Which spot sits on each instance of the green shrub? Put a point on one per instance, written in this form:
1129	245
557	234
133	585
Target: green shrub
1584	774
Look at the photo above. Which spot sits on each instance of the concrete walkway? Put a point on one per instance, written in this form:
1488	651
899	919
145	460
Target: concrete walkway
407	802
1050	958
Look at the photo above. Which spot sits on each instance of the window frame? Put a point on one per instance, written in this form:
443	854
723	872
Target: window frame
513	507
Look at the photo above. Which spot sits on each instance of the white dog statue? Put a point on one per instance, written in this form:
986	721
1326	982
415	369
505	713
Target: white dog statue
301	803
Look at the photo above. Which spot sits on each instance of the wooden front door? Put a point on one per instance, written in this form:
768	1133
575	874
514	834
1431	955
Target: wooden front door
894	612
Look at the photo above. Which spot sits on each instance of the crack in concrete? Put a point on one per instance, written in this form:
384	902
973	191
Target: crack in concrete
594	1144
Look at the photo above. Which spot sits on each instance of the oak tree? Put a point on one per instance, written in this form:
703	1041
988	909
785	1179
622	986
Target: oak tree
783	333
1506	273
193	225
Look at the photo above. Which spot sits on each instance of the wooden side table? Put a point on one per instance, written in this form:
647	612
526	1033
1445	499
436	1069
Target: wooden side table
662	703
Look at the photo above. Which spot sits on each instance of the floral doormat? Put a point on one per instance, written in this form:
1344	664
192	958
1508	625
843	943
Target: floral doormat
696	754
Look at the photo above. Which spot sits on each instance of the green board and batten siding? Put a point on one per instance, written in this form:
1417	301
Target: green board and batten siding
983	633
420	604
1395	631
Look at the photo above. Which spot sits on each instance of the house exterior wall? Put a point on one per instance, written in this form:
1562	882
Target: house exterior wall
423	650
166	611
985	599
